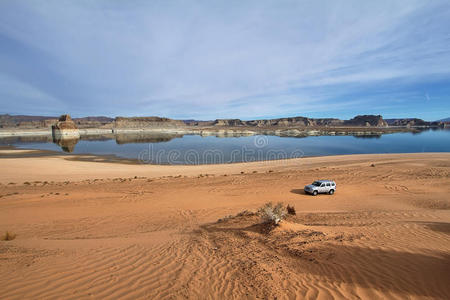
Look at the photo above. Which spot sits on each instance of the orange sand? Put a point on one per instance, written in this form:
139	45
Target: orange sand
98	232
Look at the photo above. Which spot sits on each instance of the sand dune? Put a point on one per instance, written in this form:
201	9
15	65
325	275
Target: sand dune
97	232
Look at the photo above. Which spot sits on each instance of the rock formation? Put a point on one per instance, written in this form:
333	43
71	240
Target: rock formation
367	121
147	122
228	122
32	122
65	127
8	121
361	121
94	122
407	122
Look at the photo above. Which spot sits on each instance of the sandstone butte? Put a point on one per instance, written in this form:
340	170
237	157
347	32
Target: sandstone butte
65	128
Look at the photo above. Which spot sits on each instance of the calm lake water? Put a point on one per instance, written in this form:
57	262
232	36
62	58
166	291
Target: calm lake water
194	149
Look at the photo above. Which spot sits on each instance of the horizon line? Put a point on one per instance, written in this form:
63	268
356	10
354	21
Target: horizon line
206	120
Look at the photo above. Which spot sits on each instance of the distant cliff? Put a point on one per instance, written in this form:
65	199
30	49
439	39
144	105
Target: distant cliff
407	122
266	123
367	120
414	122
20	121
361	121
94	122
29	122
147	122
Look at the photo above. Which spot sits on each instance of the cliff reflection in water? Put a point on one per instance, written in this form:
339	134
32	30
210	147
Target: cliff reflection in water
68	144
372	136
144	137
162	146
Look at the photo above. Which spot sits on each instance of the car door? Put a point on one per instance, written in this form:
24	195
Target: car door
322	188
328	187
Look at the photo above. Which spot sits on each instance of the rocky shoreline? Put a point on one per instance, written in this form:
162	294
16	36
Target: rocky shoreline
90	127
218	131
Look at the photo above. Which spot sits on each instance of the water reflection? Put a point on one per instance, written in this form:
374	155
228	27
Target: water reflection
144	137
67	144
163	148
372	136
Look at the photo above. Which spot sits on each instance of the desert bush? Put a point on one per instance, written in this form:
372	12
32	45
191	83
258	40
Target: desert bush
291	210
224	219
245	213
8	236
272	214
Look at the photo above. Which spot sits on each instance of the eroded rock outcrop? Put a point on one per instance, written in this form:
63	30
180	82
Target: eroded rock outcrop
407	122
295	122
229	122
281	122
41	122
146	122
65	127
94	122
26	122
366	121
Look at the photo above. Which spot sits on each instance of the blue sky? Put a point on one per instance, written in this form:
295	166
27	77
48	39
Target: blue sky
225	59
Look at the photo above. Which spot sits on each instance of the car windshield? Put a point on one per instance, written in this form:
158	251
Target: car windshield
316	183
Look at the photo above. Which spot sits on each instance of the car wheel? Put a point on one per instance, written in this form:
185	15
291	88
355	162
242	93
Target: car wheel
315	193
331	192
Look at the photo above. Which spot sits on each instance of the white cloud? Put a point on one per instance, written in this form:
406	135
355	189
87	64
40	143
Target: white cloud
199	58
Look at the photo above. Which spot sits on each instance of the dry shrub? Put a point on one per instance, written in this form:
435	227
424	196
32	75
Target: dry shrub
291	210
226	218
245	213
272	214
8	236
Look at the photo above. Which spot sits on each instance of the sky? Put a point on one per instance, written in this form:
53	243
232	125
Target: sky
225	59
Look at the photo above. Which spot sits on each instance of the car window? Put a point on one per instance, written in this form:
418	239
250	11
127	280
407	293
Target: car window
328	184
323	184
333	184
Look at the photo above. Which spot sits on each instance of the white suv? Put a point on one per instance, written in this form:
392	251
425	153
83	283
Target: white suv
321	186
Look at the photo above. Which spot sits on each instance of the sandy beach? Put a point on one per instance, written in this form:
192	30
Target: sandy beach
89	228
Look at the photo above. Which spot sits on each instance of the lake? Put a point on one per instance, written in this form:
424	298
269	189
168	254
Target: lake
195	149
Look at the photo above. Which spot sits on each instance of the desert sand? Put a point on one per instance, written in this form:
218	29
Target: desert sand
87	228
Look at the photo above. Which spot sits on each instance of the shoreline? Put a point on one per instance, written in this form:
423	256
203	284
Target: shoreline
27	165
24	152
225	131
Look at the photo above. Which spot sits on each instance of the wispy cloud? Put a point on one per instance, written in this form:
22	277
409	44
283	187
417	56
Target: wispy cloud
211	59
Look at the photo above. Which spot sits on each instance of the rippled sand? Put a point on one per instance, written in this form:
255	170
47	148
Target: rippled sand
86	228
